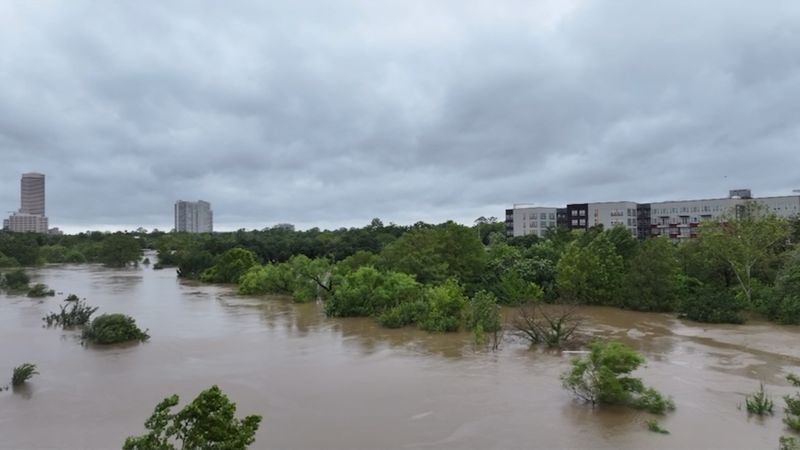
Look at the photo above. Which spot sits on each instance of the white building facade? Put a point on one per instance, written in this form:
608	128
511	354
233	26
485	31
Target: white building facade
194	217
530	220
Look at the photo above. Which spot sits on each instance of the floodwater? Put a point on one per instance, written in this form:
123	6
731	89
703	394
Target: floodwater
348	384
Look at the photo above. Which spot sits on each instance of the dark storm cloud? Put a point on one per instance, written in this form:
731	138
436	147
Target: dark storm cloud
331	113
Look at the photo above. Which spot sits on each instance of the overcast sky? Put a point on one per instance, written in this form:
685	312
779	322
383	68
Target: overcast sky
331	113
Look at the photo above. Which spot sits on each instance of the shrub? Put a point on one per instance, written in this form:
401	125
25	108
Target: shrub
652	425
112	329
78	314
267	279
40	290
788	443
71	298
513	289
483	312
207	422
230	266
402	314
445	307
653	401
554	326
16	280
603	377
710	304
23	373
759	403
369	292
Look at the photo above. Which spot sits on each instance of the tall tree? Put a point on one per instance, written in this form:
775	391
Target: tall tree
746	237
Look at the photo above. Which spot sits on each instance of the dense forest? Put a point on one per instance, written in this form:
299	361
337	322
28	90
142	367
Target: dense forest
449	276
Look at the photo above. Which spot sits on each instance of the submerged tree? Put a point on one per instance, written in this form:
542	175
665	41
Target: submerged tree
23	373
113	329
552	325
207	422
603	377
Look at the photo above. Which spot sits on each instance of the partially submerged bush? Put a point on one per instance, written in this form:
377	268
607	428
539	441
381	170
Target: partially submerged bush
792	409
554	326
403	314
112	329
603	377
72	314
446	304
208	422
16	280
759	403
23	373
40	290
71	298
788	443
652	425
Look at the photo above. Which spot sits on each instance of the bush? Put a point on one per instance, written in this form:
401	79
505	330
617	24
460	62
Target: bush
788	443
16	280
112	329
445	307
653	401
268	279
513	289
369	292
207	422
483	312
554	326
40	290
403	314
77	315
230	266
759	403
652	425
710	304
23	373
602	377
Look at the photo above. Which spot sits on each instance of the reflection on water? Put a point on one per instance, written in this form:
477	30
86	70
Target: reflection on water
347	383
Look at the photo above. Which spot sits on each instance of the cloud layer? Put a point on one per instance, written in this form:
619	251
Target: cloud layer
331	113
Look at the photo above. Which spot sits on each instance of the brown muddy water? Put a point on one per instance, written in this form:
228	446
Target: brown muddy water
349	384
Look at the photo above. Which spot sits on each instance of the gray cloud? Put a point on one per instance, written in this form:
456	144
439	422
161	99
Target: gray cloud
330	113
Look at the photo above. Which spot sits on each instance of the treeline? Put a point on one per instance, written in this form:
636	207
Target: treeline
431	275
112	249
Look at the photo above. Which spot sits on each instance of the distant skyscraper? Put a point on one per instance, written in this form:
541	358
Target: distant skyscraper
194	217
32	194
30	217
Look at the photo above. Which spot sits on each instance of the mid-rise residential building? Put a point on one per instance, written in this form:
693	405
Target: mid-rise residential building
194	217
530	220
674	219
31	215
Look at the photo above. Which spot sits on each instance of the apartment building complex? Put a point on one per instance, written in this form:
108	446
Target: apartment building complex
674	219
194	217
522	221
31	215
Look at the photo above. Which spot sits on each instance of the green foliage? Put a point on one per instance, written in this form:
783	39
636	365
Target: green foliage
653	401
207	422
268	279
40	290
16	280
112	329
230	266
625	245
652	425
592	273
513	289
22	247
119	250
53	253
788	443
653	280
73	313
191	263
23	373
435	253
368	292
7	261
603	377
446	304
482	311
759	402
403	314
792	404
745	239
708	303
793	379
783	306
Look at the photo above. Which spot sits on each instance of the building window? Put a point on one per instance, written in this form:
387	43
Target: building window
582	213
574	213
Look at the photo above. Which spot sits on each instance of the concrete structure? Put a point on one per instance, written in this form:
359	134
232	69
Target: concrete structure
194	217
32	194
674	219
522	221
31	215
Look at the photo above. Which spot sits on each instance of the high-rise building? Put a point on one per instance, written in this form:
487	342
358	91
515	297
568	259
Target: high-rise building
30	217
32	194
194	217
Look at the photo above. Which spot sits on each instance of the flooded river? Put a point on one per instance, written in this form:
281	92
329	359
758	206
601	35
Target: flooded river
348	384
